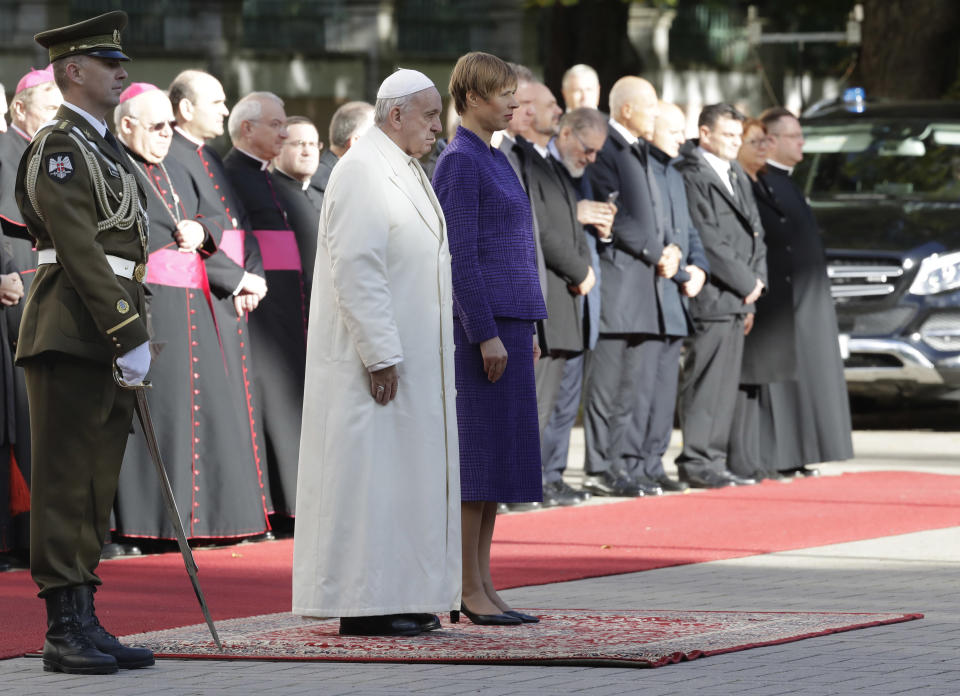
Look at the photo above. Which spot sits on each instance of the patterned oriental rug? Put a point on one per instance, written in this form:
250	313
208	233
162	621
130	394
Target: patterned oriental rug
150	593
572	637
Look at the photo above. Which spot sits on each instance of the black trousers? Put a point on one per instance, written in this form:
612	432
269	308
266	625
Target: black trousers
708	394
648	435
79	423
614	389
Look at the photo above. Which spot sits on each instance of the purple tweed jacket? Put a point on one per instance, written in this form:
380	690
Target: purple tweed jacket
490	228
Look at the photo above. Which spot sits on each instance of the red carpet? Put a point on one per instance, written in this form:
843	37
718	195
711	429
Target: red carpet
152	593
570	637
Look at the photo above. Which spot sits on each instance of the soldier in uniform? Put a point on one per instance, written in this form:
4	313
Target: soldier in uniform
85	313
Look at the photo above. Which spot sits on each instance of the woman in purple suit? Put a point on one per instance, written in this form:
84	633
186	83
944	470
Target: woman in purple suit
497	301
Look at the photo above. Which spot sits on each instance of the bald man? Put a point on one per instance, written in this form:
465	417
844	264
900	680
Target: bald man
647	439
620	370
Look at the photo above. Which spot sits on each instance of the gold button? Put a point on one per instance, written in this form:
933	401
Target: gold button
140	272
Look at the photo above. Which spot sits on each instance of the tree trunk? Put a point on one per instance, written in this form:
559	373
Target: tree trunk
909	48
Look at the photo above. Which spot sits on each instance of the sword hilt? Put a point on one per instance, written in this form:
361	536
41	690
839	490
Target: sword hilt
123	384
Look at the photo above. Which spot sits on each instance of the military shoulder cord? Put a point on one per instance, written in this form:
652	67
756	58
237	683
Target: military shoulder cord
123	217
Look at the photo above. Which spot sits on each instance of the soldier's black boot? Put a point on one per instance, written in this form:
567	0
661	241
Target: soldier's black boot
105	642
67	648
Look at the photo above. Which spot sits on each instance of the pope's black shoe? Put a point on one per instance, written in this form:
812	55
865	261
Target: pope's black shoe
427	622
387	625
67	648
106	642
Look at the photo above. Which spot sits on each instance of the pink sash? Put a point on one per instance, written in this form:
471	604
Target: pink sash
231	244
178	270
279	250
175	269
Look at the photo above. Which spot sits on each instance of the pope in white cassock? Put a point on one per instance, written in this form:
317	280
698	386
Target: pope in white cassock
377	539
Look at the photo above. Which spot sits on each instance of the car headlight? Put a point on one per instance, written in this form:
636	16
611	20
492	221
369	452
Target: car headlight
937	273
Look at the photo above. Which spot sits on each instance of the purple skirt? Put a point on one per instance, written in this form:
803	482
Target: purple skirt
497	423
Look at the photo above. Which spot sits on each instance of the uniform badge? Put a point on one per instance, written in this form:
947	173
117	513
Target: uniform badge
123	306
60	167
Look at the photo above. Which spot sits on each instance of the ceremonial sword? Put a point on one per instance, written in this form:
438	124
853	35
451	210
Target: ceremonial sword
146	424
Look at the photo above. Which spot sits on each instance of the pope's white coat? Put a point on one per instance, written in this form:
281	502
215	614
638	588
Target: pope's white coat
378	497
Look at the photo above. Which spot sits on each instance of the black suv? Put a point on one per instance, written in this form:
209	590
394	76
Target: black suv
884	182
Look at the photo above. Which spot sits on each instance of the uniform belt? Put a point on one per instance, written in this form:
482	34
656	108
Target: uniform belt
131	270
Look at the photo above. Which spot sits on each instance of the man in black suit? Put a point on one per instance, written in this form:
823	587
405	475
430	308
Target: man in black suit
348	123
291	173
647	439
722	209
569	264
631	320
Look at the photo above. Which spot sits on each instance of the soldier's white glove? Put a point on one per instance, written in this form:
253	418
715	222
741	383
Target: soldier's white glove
135	364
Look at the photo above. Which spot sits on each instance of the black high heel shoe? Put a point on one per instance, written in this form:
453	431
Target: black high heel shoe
484	619
525	618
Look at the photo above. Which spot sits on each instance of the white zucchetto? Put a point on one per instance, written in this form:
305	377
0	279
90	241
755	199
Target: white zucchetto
403	82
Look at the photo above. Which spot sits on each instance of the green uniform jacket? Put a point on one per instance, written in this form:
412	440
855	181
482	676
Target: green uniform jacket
79	306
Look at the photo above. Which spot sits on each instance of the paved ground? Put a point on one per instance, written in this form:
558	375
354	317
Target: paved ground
912	573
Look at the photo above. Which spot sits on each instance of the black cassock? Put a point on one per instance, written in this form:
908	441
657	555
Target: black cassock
14	478
302	205
238	252
203	435
278	327
20	257
792	351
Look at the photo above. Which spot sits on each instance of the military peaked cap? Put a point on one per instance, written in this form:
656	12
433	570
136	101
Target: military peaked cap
98	36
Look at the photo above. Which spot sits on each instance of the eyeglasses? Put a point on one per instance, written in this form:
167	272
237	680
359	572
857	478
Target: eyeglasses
312	144
757	142
586	150
154	127
792	136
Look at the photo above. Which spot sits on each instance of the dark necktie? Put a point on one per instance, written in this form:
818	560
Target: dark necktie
112	142
733	182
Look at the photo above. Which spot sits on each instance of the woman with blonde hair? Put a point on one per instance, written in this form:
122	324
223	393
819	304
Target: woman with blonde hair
497	300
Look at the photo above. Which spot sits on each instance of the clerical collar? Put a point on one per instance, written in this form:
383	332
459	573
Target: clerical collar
99	126
263	163
622	130
773	163
20	132
192	138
